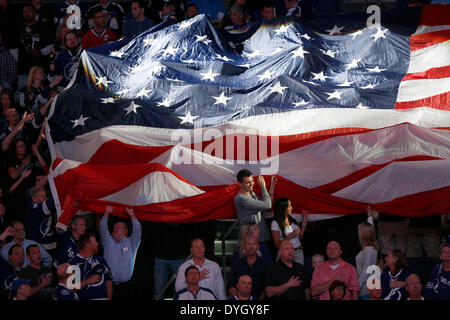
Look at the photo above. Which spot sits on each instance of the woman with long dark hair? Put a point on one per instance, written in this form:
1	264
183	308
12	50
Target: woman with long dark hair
285	227
394	275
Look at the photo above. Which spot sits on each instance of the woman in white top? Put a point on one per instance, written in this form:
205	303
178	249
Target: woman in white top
284	226
368	254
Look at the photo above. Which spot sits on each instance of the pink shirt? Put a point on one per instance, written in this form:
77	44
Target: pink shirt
324	273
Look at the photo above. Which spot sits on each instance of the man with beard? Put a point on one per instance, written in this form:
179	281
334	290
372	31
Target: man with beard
67	60
99	34
96	277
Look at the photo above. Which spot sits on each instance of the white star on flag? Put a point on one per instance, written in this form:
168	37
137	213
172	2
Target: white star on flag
124	91
255	53
300	103
80	121
376	69
209	75
282	29
143	93
117	54
277	50
277	88
165	103
335	29
148	41
335	95
224	58
222	99
103	80
360	106
185	24
299	52
137	68
306	36
266	75
379	34
132	108
170	51
329	52
369	86
203	39
357	33
353	64
188	118
345	84
108	100
320	76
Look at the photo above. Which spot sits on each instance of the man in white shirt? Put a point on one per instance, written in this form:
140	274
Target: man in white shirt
210	274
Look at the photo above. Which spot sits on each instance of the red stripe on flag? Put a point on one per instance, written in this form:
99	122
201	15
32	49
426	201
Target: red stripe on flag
440	101
425	40
435	15
433	73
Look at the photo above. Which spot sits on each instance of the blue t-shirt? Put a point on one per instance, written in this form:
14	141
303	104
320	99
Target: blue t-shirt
67	248
393	293
438	285
132	28
63	293
89	267
40	226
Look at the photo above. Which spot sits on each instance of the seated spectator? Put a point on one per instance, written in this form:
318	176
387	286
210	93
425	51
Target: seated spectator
40	224
414	287
424	235
250	228
21	289
139	22
368	255
337	290
19	238
66	61
317	259
237	17
193	291
37	91
251	265
375	293
62	291
35	43
114	15
285	227
5	105
61	15
161	10
191	11
120	249
267	10
249	11
210	274
8	71
99	34
244	289
40	276
9	268
96	277
334	269
212	8
17	129
287	279
438	285
67	245
394	276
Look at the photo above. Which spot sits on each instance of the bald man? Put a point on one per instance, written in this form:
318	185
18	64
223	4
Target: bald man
414	287
287	279
334	269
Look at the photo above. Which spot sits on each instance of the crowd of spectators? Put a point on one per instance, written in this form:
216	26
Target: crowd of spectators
40	46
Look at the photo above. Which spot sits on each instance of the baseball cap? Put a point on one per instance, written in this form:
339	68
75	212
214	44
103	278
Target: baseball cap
17	283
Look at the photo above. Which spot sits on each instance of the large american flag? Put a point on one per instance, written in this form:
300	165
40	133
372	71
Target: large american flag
344	115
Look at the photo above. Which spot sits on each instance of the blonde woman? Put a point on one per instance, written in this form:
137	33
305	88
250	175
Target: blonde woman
368	254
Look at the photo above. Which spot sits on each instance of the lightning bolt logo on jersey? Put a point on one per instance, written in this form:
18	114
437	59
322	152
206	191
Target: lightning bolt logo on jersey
89	267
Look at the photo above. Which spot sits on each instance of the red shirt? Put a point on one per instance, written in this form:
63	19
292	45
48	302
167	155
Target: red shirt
93	39
323	273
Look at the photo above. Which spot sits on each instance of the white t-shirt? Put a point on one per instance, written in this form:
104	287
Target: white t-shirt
287	231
